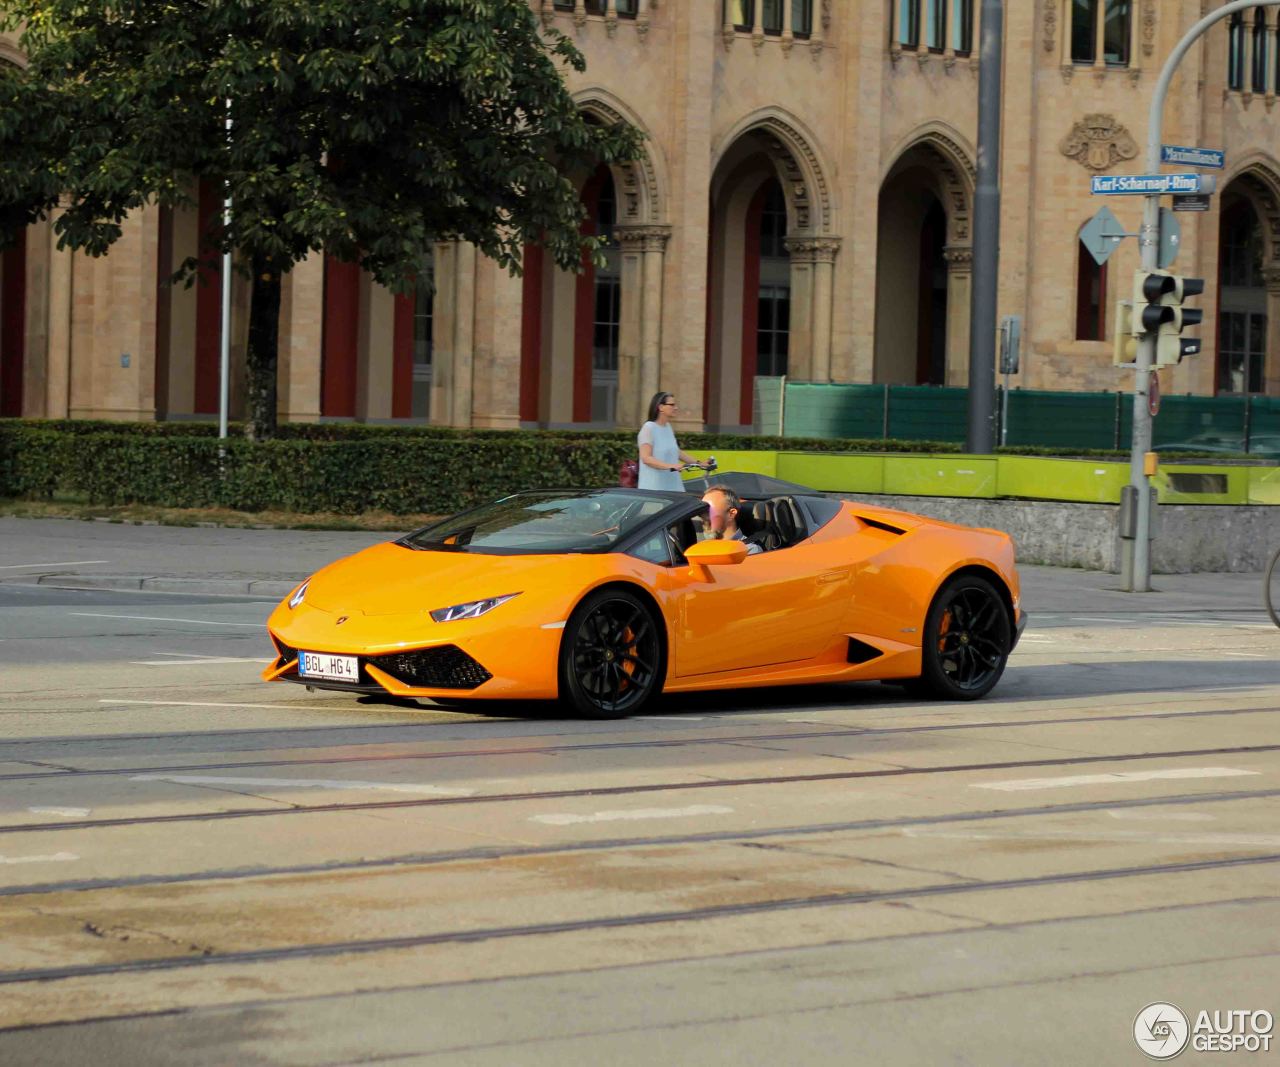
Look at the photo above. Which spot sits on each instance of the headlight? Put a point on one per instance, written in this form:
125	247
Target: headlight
471	610
299	594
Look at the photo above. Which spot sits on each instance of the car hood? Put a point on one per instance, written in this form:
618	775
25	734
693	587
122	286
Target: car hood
390	579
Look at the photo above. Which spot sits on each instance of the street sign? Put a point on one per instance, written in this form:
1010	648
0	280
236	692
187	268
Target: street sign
1192	157
1010	343
1146	184
1194	202
1102	235
1170	239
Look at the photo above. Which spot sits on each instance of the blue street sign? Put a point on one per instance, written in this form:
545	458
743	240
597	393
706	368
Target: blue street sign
1192	157
1140	184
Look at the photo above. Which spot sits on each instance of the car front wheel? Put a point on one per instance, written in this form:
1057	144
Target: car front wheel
967	639
611	658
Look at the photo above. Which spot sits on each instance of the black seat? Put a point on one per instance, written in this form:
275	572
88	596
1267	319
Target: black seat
788	521
766	535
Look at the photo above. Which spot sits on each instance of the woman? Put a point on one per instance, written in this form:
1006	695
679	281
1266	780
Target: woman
660	456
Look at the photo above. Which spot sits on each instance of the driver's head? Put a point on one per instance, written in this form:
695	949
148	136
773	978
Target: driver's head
723	504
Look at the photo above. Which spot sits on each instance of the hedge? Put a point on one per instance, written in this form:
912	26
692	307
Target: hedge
334	467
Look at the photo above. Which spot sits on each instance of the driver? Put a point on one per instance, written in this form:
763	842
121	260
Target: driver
723	519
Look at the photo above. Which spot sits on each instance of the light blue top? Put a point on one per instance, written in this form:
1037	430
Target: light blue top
663	439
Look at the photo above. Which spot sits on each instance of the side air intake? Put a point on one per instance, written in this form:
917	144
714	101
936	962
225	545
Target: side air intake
878	525
861	652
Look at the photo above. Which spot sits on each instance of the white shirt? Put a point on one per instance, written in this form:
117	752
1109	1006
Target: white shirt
665	450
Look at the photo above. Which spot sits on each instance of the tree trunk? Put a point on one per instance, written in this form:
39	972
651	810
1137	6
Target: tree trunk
263	352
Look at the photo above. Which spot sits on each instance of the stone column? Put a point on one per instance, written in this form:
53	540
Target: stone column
301	341
1271	370
57	382
453	357
788	29
812	288
640	336
959	260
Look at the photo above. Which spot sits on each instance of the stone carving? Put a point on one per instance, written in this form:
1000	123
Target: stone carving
959	258
826	15
812	249
1149	27
642	238
1050	23
1098	142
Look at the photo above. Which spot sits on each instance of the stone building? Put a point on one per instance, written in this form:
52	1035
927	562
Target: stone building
803	207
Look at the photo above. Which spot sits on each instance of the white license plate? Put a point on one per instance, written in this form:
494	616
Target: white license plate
334	668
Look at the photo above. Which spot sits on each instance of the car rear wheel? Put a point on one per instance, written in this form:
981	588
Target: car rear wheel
611	658
967	639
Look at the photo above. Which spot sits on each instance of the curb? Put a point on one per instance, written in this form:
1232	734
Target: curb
258	587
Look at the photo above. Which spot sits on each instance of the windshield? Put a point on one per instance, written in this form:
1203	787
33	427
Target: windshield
587	521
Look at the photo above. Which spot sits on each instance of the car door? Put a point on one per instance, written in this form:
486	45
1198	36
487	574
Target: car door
777	607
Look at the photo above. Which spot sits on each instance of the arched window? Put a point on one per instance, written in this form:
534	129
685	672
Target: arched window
1101	27
1091	296
1235	52
1261	39
606	323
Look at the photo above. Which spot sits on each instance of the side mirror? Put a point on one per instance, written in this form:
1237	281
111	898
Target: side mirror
716	553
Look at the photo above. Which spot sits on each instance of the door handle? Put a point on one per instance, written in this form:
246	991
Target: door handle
832	576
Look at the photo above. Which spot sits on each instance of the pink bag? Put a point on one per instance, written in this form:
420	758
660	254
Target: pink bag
629	473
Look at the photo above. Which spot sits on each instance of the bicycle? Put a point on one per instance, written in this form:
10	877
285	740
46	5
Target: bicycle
1271	588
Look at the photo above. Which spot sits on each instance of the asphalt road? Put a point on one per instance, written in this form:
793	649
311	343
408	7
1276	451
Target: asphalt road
199	868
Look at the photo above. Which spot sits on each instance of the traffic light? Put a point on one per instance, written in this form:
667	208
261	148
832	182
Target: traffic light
1124	342
1159	294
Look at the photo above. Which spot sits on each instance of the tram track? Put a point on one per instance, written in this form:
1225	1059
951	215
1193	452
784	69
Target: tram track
496	853
626	790
208	958
61	773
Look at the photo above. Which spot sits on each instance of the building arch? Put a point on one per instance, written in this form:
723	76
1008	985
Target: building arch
566	378
1248	307
803	171
641	183
924	265
766	280
11	53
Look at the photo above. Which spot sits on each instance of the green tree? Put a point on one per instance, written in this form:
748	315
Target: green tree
363	130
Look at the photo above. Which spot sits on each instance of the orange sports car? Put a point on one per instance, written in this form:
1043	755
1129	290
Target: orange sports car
605	598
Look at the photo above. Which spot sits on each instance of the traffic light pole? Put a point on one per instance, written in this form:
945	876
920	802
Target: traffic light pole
1139	574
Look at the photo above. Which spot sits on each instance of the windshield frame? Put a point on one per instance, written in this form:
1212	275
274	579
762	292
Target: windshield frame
679	505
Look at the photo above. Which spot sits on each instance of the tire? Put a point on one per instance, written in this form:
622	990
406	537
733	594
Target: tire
612	660
967	640
1271	588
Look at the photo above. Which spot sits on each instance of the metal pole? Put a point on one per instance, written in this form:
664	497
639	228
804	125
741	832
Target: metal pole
986	234
224	366
1149	240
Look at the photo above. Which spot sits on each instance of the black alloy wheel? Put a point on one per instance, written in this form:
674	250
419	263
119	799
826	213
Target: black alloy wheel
611	657
967	639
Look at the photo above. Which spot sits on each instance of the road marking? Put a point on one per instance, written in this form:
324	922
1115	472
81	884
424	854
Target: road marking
161	618
670	718
66	813
634	813
1145	815
212	704
195	660
1247	655
1136	836
57	857
66	563
1116	776
305	783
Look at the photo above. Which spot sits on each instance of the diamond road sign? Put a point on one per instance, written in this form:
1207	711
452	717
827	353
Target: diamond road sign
1140	184
1181	156
1102	235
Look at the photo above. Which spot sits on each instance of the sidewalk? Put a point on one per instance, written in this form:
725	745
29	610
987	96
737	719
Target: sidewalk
268	563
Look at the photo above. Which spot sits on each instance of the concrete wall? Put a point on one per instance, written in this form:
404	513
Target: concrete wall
1188	539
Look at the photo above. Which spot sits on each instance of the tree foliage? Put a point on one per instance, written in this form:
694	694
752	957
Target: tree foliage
363	130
